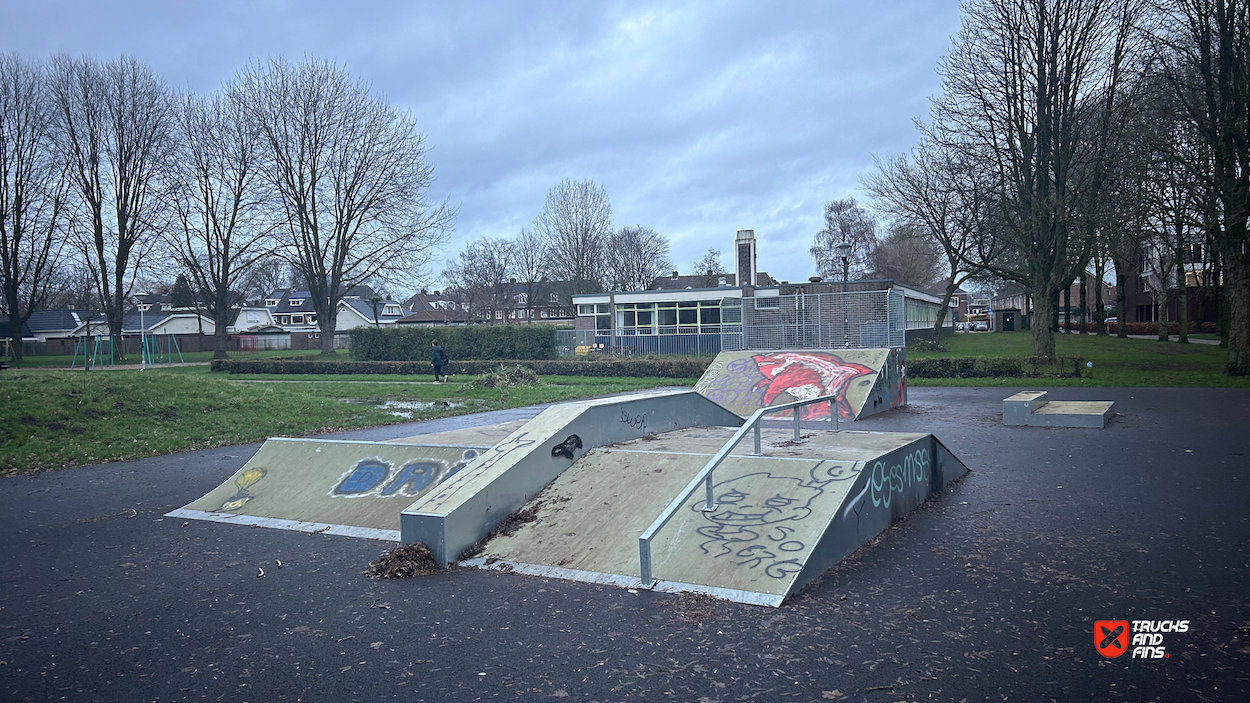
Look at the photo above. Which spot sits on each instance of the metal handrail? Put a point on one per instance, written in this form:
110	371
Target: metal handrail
705	474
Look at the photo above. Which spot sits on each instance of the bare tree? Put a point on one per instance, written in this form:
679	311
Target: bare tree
32	195
576	223
907	254
349	173
946	200
845	222
112	130
263	277
636	256
1205	45
529	263
1034	97
480	273
710	267
218	201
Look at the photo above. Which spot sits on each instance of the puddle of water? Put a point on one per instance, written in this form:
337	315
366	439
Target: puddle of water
402	408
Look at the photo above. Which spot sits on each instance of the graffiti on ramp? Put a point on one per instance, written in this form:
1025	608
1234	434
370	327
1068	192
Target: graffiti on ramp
747	380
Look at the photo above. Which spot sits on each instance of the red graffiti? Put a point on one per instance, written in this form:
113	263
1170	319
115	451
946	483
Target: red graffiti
807	375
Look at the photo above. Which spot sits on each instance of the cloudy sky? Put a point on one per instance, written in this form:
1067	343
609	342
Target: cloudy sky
698	119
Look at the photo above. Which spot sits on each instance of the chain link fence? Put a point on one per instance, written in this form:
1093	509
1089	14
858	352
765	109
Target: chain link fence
853	320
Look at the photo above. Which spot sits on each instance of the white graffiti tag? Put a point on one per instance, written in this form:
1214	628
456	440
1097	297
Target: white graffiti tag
885	480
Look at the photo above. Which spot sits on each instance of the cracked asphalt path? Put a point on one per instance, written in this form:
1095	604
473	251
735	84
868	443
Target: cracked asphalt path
988	593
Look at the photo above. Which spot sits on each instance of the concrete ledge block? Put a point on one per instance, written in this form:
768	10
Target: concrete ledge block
1018	408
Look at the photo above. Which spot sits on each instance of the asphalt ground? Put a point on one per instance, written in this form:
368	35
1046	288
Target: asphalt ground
989	592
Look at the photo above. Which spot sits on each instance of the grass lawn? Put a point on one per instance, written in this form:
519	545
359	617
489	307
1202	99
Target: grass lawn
65	361
60	419
1117	362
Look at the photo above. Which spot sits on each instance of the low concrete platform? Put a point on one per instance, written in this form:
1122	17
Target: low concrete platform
1035	409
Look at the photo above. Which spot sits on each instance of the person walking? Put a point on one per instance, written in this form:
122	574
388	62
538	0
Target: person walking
438	358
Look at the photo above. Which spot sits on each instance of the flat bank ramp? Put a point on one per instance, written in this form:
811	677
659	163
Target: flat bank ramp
865	381
781	519
508	475
354	489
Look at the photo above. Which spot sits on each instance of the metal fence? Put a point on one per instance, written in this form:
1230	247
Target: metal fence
853	320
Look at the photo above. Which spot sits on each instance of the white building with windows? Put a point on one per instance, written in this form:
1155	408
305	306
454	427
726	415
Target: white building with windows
771	314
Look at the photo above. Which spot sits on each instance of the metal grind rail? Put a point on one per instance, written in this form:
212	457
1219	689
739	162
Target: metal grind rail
705	474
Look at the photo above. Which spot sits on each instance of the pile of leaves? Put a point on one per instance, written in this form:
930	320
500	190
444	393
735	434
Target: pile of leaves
507	377
403	562
507	526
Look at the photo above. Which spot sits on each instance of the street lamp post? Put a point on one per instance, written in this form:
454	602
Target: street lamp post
844	253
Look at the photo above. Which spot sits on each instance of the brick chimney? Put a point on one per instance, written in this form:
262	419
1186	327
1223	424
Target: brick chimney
744	256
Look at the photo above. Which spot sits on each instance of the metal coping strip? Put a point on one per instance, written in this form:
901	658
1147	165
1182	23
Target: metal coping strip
559	572
384	443
705	474
294	525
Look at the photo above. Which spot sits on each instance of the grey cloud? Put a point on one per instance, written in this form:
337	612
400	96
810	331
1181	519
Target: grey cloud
697	118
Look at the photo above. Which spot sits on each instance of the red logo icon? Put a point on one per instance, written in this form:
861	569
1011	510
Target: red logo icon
1111	637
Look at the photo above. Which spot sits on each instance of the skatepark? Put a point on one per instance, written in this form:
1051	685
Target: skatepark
988	590
601	478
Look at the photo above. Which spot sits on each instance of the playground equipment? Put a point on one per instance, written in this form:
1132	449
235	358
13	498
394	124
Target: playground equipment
96	350
153	354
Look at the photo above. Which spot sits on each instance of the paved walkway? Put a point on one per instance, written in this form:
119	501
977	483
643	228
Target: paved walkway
1173	338
989	593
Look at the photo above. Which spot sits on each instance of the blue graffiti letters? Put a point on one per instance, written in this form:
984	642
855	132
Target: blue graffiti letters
413	477
362	479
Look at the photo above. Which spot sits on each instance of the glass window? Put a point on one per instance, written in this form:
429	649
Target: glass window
688	304
688	317
709	316
644	318
668	316
585	309
603	308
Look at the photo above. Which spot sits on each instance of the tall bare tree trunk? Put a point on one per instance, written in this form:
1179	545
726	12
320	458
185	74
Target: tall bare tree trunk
1182	297
1121	304
1044	322
1067	308
1100	319
1084	303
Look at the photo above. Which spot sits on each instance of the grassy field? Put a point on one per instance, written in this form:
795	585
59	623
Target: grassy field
60	419
1117	362
52	419
63	362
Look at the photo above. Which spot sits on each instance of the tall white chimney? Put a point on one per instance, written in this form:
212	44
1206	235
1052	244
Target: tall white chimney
744	254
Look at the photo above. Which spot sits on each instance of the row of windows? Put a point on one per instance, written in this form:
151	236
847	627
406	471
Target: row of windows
295	319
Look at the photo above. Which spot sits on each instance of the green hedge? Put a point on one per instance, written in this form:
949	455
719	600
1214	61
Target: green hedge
477	342
984	368
637	368
662	368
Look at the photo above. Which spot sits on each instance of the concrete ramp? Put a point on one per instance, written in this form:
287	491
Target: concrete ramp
503	479
866	381
355	489
782	519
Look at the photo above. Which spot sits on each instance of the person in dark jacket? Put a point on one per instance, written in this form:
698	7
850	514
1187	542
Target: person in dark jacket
438	358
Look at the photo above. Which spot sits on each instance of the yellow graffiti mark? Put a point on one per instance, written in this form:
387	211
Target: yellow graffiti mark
245	480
